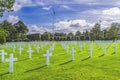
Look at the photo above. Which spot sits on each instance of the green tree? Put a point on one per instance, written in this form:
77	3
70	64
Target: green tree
70	36
3	35
45	36
34	37
95	32
10	28
77	35
21	30
6	5
113	31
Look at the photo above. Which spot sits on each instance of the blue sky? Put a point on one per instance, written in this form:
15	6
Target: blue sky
70	15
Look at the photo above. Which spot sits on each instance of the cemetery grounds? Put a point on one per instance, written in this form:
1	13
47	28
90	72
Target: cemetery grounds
98	67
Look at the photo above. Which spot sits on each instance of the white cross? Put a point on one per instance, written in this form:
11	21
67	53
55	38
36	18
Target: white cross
104	50
73	52
20	50
47	55
11	60
2	55
30	52
91	51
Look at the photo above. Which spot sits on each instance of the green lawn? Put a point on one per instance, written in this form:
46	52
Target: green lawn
61	67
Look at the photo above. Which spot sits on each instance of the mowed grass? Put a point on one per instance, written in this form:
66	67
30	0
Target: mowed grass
99	67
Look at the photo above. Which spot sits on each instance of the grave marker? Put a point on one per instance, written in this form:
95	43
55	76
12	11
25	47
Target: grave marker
91	49
104	50
30	52
47	55
11	60
73	52
2	55
20	50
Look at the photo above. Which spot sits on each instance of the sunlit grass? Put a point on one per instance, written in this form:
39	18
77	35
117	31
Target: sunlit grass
61	67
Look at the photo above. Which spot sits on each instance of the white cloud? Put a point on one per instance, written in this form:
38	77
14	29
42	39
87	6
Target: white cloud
65	7
65	26
73	26
112	11
46	8
23	3
13	19
107	16
38	29
111	14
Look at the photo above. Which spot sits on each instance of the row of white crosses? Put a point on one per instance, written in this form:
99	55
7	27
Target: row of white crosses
11	60
65	46
47	55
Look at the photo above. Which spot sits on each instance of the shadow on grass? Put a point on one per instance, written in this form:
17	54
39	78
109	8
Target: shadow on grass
4	74
35	69
113	53
85	59
23	59
101	55
66	62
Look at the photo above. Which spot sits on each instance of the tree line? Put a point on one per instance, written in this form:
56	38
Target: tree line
18	32
96	33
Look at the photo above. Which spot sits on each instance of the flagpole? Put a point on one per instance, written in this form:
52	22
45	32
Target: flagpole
53	11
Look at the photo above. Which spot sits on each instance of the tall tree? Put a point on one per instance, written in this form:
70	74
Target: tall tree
96	32
3	35
45	36
6	5
70	36
113	31
21	29
77	35
10	28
